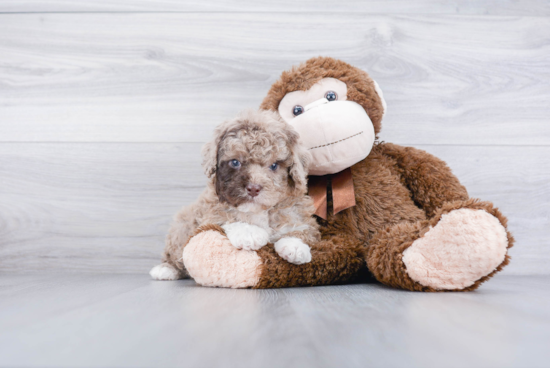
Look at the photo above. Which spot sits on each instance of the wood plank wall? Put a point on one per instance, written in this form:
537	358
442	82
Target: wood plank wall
104	106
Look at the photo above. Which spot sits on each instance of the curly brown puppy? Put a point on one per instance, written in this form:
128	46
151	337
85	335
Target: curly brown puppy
256	193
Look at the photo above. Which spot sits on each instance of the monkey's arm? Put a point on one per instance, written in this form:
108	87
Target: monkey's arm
429	179
212	261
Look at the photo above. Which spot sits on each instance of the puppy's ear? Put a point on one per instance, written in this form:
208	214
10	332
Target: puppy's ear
210	157
211	149
301	158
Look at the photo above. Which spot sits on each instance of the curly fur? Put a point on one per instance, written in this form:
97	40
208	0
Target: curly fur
257	139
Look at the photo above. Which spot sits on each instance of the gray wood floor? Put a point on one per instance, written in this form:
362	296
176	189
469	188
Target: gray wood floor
131	321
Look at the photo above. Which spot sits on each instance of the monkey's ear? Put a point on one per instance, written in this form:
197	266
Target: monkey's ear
210	158
301	158
381	95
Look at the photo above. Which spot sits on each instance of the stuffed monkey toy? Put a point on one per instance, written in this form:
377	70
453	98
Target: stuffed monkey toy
397	212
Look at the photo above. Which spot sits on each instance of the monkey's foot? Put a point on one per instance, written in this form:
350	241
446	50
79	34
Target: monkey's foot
211	260
464	245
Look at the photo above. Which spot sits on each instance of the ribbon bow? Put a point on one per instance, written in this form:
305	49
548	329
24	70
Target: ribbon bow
343	194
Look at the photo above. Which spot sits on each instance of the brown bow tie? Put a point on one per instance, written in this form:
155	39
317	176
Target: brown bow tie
343	194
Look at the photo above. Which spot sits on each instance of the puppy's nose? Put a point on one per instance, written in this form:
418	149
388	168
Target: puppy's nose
253	189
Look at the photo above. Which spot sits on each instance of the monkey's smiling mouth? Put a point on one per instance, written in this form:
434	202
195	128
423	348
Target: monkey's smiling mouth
338	141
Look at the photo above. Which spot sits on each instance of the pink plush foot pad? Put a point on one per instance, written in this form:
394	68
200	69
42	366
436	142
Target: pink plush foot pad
463	247
211	260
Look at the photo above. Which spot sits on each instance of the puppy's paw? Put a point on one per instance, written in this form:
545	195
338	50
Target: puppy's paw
293	250
165	271
246	236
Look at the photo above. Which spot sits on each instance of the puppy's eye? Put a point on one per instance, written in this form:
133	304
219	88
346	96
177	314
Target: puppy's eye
235	164
274	167
297	110
331	96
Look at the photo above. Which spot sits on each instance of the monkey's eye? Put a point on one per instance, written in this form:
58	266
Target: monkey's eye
331	96
235	164
297	110
274	167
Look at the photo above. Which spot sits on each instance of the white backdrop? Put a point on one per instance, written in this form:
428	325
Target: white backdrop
104	106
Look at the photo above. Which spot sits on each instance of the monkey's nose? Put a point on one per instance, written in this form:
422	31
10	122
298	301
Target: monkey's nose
314	104
253	189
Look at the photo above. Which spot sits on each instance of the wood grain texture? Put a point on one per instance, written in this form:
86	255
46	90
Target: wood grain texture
172	77
77	320
102	114
481	7
106	207
92	207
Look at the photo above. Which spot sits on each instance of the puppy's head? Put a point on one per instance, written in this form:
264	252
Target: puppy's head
255	161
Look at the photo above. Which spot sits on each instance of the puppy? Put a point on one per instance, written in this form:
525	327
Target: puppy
256	191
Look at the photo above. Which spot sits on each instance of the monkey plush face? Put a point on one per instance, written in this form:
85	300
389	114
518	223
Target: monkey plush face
337	132
336	108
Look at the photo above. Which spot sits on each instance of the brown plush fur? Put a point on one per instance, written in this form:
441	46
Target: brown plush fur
400	192
257	139
334	261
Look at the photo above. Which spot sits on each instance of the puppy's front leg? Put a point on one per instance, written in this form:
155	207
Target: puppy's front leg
293	250
291	242
246	236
